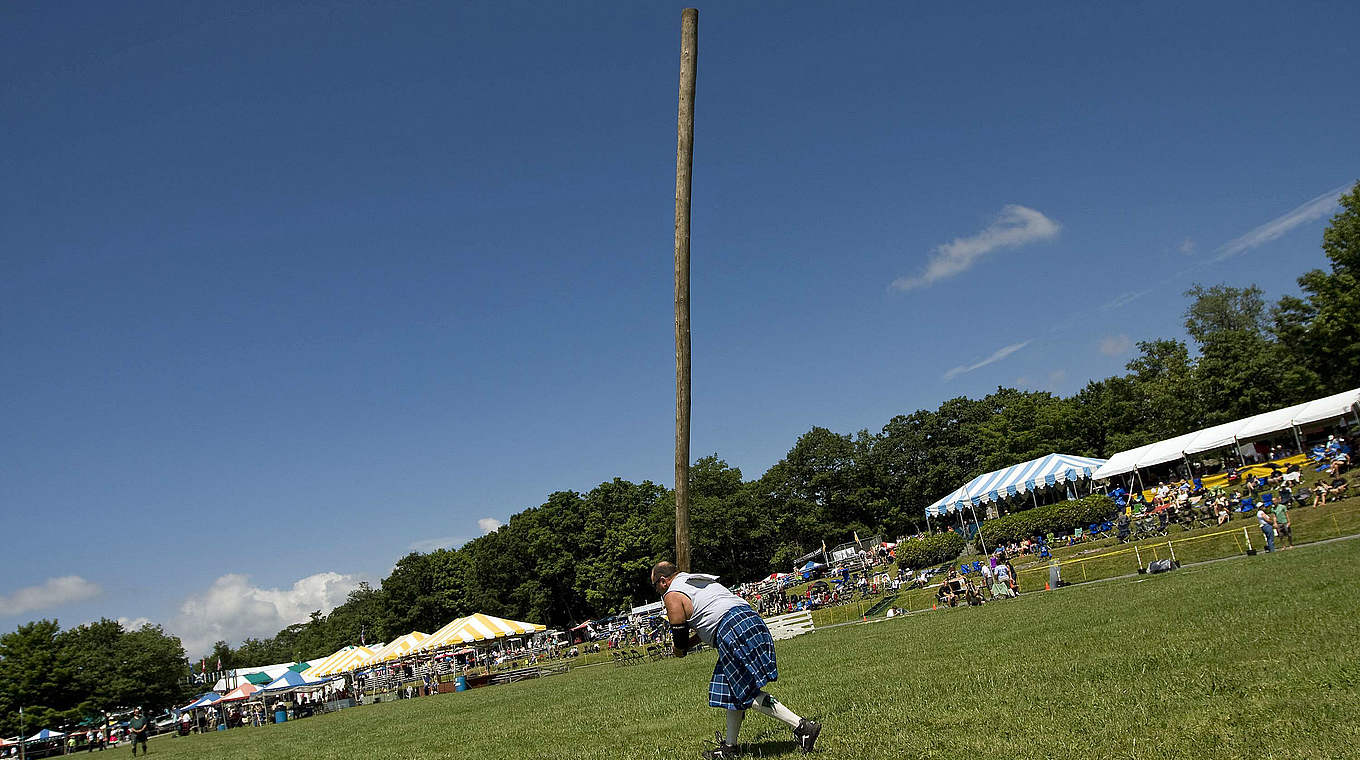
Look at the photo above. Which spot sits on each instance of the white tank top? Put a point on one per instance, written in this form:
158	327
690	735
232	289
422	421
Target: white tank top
711	601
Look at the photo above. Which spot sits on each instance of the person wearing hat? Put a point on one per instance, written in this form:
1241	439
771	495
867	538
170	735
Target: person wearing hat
139	726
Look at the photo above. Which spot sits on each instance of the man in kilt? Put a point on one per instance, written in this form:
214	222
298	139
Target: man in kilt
701	609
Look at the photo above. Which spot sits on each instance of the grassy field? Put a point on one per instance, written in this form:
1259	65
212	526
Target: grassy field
1247	658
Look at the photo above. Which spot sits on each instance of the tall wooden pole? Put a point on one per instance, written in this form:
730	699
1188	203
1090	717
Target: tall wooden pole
684	174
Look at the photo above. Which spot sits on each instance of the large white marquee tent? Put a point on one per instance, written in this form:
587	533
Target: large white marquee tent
1232	433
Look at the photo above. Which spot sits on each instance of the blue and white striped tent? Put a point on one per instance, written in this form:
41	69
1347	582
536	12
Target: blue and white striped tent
1017	479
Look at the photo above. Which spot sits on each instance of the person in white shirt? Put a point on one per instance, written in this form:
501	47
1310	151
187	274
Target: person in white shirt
698	607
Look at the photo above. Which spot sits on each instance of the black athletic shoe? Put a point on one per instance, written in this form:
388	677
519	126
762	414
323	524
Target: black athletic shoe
723	751
806	734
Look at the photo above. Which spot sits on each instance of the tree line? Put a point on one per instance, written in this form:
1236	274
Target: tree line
580	556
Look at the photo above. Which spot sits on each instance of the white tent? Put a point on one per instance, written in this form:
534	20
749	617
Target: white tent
1335	405
1268	422
1121	463
1232	433
1212	438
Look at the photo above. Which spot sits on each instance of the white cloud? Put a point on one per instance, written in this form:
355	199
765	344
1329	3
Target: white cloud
997	355
52	592
232	609
1115	345
1187	247
133	624
1015	226
1056	376
1277	227
489	524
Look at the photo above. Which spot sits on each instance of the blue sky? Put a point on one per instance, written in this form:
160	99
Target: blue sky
293	288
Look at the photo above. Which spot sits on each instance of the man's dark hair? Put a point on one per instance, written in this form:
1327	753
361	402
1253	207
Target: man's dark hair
663	570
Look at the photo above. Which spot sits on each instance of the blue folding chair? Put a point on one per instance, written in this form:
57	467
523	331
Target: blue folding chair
977	566
1268	501
1248	504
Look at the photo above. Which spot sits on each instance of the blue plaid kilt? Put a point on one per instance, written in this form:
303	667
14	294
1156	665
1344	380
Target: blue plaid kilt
745	659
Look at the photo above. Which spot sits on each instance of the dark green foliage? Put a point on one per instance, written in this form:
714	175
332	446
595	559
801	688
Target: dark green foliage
929	551
1040	521
63	676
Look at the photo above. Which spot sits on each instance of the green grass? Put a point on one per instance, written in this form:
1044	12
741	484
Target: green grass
1249	658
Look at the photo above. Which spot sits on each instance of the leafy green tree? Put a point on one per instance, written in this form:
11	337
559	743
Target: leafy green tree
1321	330
151	670
1163	379
33	673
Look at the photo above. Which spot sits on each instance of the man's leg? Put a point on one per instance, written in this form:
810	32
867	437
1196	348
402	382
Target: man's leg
804	731
734	719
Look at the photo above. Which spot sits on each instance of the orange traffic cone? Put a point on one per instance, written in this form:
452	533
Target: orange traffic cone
934	606
1047	587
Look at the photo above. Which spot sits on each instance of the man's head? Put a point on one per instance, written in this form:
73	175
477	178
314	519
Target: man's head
662	573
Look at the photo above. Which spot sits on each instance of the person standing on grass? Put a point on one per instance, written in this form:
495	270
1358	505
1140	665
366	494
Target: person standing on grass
139	726
1267	522
698	607
1282	523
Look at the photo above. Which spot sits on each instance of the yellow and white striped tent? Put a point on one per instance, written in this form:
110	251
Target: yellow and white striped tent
475	628
399	647
343	661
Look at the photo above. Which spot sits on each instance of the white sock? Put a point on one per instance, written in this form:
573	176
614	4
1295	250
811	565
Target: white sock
734	719
768	705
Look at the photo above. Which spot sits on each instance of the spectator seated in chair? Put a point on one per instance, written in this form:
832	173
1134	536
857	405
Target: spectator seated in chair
945	595
1337	488
1320	493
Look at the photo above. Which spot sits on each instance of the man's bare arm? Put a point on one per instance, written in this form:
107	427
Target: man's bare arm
678	611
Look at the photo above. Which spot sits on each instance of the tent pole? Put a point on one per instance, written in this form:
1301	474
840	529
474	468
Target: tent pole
1189	469
1237	446
978	525
1298	441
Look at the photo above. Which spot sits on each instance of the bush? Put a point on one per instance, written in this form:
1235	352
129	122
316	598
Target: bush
919	553
1040	521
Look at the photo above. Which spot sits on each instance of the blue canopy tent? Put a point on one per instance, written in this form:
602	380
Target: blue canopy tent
1025	477
292	680
46	734
1044	472
204	700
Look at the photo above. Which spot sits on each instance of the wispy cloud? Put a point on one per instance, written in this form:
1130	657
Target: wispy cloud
133	624
997	355
1124	299
1115	345
1015	226
488	524
1187	247
1277	227
52	592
